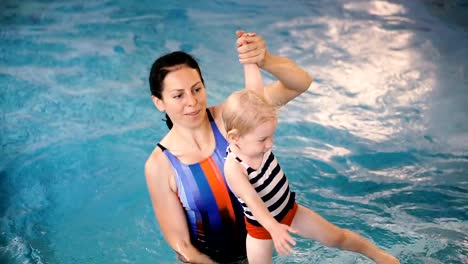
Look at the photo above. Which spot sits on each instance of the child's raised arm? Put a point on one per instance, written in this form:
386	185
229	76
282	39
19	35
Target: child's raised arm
253	76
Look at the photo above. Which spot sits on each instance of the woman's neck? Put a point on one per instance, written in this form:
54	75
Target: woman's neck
197	138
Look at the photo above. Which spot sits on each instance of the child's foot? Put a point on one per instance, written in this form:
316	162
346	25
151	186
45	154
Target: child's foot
386	258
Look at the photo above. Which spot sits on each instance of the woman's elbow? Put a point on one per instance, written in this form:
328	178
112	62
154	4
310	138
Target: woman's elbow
307	81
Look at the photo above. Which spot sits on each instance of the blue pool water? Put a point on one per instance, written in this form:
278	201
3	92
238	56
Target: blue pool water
379	144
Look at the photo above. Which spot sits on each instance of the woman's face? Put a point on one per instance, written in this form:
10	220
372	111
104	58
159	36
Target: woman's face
183	98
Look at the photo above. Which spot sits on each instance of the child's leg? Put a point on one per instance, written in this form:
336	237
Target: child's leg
259	250
311	225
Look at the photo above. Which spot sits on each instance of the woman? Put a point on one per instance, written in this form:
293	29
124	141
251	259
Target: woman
198	215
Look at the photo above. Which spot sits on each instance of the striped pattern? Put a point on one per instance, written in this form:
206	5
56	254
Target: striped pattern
272	186
213	214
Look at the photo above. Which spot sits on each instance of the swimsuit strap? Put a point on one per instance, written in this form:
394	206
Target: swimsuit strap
163	148
247	167
210	117
221	142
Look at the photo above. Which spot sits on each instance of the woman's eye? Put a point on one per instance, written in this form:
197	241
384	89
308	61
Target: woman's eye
177	96
198	89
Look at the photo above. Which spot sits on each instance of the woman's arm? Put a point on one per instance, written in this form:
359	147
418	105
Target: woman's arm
168	210
292	79
239	183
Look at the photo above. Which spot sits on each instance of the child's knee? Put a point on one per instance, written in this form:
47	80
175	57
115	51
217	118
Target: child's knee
336	238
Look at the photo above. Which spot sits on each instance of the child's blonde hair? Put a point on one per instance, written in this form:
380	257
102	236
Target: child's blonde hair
245	110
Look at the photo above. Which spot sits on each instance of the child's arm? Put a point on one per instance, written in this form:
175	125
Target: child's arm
239	183
253	76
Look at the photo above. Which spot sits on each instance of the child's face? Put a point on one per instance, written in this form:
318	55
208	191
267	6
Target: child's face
258	141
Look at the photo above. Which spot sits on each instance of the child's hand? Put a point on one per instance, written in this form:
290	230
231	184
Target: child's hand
282	239
251	48
242	37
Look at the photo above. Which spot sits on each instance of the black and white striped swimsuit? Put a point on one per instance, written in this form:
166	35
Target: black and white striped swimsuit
272	186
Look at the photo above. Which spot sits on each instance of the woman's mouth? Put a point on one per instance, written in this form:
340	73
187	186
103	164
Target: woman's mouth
193	113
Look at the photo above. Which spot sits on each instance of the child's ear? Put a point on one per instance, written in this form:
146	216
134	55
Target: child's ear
232	135
158	103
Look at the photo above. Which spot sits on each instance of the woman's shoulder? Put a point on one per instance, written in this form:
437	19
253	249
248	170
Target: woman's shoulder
154	160
158	170
158	173
157	163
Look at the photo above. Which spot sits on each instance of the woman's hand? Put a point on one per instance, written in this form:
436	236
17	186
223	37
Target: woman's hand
251	48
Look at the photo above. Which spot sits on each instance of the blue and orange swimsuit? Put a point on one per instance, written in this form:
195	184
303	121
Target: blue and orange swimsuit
214	216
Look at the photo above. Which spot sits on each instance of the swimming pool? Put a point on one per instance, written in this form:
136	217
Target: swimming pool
378	145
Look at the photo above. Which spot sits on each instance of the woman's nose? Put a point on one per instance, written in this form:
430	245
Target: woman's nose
191	99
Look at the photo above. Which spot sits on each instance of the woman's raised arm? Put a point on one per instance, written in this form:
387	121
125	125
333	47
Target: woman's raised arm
292	79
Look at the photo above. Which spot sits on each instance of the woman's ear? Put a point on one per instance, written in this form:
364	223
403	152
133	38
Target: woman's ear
232	135
158	103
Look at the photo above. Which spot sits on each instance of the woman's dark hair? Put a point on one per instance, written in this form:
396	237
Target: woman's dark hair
164	65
